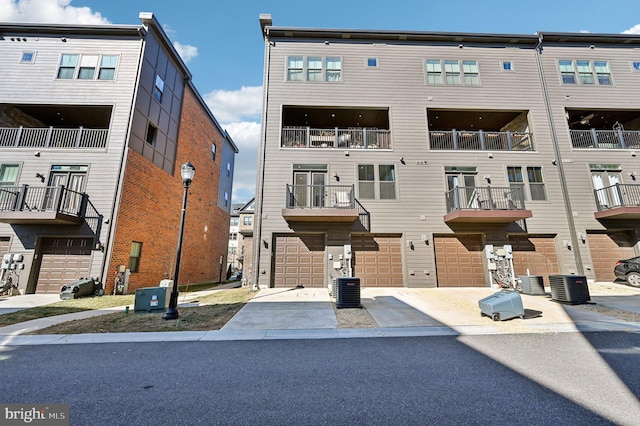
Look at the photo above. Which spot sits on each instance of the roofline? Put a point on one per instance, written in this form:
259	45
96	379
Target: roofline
446	37
68	30
149	19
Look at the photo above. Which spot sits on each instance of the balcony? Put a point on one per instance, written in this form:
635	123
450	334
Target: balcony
27	205
605	139
619	202
481	140
351	138
53	137
323	203
473	204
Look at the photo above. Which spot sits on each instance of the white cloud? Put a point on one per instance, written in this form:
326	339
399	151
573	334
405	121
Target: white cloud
231	106
186	51
633	30
48	11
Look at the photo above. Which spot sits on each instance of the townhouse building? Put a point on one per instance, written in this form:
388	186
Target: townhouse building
95	122
399	156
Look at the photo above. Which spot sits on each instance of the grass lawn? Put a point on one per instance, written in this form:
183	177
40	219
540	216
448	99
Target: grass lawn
213	312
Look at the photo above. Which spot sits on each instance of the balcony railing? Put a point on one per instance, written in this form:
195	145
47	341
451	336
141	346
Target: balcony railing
605	139
351	138
618	195
40	203
484	198
320	196
52	137
460	140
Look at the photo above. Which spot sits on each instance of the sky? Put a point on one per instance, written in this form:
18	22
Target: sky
221	43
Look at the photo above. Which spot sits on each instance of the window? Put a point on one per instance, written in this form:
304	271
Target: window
228	169
248	220
28	57
134	256
635	66
377	182
234	221
152	134
226	199
585	72
108	65
213	151
233	236
314	68
434	72
158	88
294	68
8	174
455	72
86	66
507	66
532	178
67	67
372	62
334	69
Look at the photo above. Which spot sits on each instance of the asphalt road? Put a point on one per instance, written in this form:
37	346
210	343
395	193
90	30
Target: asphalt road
542	379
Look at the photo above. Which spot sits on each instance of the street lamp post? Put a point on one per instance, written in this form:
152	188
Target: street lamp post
187	171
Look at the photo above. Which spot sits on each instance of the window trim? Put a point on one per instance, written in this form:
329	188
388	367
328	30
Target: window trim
368	65
459	74
28	52
635	66
135	259
4	166
504	62
98	68
377	183
582	77
527	184
303	72
158	91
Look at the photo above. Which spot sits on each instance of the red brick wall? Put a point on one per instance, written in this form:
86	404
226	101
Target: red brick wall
151	205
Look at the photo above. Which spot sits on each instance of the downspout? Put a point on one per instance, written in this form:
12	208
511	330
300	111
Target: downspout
559	164
257	243
115	206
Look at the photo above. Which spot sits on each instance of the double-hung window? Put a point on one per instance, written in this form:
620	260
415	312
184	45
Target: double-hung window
294	68
67	67
585	72
158	88
529	177
376	182
248	220
314	68
87	67
108	65
334	69
455	72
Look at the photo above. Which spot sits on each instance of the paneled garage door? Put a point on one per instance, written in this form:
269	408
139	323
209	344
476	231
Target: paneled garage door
606	250
299	260
377	260
537	254
63	260
459	261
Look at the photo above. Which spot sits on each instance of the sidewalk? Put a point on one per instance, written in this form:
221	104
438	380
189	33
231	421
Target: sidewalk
308	313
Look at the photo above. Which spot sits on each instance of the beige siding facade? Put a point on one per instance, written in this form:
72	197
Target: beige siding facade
398	86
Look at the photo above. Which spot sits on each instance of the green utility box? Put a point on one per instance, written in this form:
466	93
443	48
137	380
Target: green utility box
151	299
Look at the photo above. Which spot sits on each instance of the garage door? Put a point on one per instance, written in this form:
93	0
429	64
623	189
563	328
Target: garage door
606	250
63	260
299	260
536	254
459	261
377	260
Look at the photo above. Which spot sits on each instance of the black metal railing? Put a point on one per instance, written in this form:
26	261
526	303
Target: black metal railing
605	139
350	138
484	198
618	195
364	216
320	196
57	199
52	137
463	140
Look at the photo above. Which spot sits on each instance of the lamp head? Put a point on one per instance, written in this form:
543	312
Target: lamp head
187	170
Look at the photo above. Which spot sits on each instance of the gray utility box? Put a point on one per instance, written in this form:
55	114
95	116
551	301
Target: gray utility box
348	293
532	285
571	289
503	305
151	299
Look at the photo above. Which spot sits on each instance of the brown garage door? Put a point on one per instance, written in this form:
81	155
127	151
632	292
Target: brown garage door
459	261
63	260
299	260
377	260
537	254
606	249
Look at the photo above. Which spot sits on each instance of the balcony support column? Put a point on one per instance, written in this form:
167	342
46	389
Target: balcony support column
509	140
594	135
79	137
454	136
22	195
18	136
623	144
